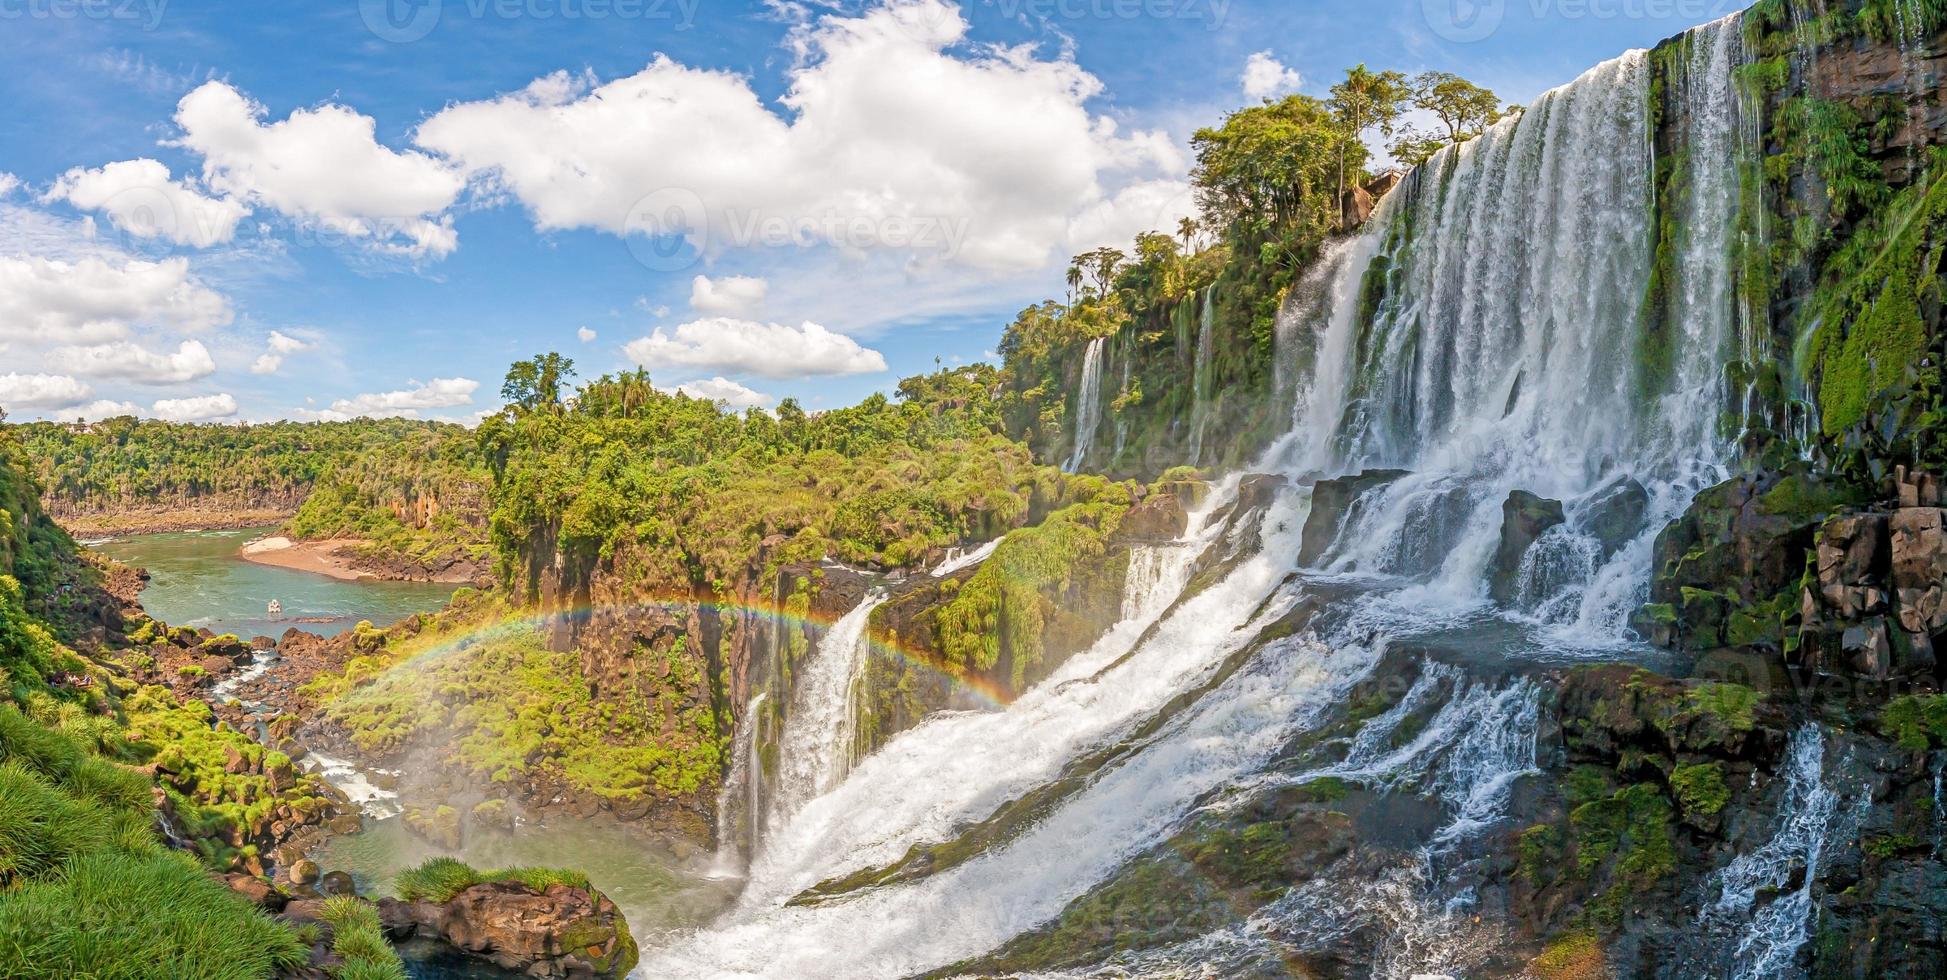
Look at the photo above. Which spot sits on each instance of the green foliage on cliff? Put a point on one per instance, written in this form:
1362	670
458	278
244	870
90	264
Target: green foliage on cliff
507	708
1869	334
1003	610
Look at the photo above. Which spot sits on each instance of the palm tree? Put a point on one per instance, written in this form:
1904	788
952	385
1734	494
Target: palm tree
1074	280
1188	229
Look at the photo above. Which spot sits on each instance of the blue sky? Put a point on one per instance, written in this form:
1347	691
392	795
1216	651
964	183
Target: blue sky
324	208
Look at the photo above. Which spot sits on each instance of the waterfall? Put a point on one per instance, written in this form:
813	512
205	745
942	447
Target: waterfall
1156	574
1509	339
1088	404
1488	332
1769	936
1940	807
1122	419
743	778
956	560
1306	316
1200	373
815	750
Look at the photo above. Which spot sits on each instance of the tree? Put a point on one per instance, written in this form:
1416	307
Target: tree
536	383
1188	229
1269	165
1074	280
1366	99
1464	109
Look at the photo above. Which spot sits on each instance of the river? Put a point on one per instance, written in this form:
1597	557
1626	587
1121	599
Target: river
197	579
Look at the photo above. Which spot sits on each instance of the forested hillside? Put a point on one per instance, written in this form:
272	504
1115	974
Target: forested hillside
415	491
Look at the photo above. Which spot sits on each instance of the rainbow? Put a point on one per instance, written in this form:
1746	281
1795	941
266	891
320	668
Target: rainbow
509	626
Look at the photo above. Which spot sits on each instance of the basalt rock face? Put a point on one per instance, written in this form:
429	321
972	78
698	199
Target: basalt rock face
1876	609
1727	570
562	933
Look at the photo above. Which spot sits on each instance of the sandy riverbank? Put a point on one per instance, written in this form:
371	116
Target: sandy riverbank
340	559
320	557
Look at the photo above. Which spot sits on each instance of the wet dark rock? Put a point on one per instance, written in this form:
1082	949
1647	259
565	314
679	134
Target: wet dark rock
1524	519
1616	516
1332	502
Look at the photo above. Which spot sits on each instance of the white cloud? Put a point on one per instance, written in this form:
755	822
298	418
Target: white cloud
103	409
41	391
139	198
894	135
727	392
281	345
406	403
587	336
132	362
1265	77
8	183
201	408
92	300
771	350
1151	205
727	296
323	166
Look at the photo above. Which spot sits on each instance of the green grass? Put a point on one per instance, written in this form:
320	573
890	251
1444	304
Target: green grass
156	916
358	939
439	879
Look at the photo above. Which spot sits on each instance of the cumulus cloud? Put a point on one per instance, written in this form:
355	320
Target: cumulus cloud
201	408
93	300
1265	77
770	350
587	336
405	403
727	296
281	345
41	391
1151	205
132	362
103	409
139	198
323	166
895	135
725	391
8	183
